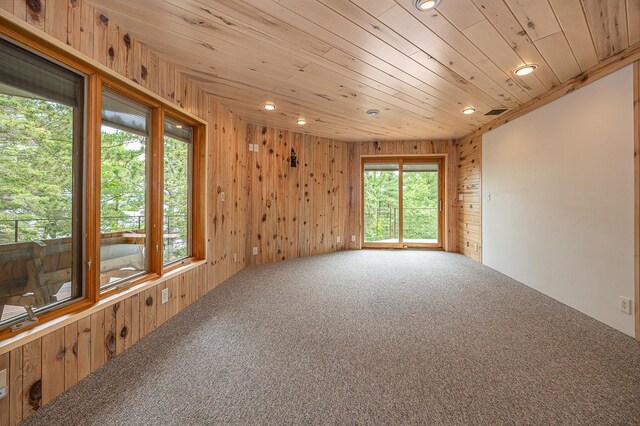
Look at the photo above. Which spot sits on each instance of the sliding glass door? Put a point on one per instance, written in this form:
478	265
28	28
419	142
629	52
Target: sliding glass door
402	202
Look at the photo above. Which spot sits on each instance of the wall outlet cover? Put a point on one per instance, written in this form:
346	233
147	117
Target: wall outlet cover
255	251
625	305
255	147
222	196
3	378
338	238
461	197
165	295
251	147
353	238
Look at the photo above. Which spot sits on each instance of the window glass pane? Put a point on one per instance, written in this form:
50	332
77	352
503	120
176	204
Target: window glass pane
420	208
381	203
177	186
40	175
123	189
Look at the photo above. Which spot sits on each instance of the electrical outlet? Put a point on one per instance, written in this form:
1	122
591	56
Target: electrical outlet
222	196
165	295
460	197
625	305
338	238
353	238
475	246
251	147
255	251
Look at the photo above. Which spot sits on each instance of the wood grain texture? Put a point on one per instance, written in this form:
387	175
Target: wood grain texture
331	60
469	185
636	179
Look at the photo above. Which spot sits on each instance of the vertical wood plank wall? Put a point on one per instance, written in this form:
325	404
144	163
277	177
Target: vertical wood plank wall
358	149
469	185
43	368
299	211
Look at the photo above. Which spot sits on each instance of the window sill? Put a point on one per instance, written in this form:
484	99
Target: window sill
86	308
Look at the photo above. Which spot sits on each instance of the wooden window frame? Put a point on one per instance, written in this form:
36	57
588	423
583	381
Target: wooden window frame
97	77
442	185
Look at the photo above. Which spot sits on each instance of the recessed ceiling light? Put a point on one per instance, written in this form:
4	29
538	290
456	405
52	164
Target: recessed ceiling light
302	121
373	113
526	69
269	107
469	110
423	5
178	126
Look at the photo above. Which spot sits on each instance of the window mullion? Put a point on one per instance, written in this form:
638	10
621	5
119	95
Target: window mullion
156	189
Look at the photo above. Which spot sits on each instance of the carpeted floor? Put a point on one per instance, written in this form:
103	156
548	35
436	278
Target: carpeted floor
367	337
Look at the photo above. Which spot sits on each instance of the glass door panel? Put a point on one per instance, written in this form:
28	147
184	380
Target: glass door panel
421	203
382	202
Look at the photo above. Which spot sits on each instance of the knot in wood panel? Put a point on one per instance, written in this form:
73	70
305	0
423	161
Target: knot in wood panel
149	301
61	353
110	343
34	6
124	332
35	395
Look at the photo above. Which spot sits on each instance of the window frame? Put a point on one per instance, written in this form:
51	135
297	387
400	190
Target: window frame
166	267
98	76
78	223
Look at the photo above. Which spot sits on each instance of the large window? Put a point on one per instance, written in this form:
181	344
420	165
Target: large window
124	156
178	138
41	146
98	191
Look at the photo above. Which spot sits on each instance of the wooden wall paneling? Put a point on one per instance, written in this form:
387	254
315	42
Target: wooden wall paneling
633	20
56	16
36	11
84	347
98	352
70	355
74	24
123	325
31	377
469	184
110	331
306	165
5	407
15	386
7	5
100	25
53	365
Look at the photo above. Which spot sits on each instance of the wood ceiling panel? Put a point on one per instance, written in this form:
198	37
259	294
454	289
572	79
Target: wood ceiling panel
329	61
608	23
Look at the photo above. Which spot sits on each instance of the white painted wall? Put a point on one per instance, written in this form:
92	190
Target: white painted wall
560	218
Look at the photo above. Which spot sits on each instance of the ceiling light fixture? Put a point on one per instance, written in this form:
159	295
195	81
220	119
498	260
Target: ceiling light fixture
269	107
469	110
373	113
525	69
302	121
423	5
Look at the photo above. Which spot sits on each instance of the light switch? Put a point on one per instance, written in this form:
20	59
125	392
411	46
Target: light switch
255	147
460	197
251	147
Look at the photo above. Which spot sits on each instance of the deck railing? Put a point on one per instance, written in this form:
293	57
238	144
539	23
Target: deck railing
383	223
16	230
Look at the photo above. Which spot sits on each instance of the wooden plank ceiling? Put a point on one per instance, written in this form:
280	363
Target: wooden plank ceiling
329	61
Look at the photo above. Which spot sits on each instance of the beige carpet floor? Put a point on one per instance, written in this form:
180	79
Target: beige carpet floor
366	337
